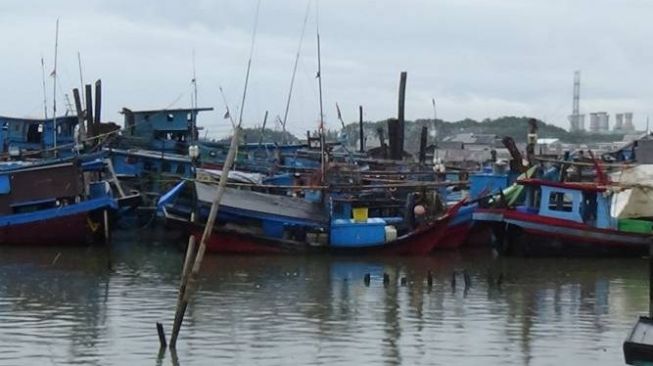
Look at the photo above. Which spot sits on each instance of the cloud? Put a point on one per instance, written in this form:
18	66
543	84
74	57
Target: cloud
477	58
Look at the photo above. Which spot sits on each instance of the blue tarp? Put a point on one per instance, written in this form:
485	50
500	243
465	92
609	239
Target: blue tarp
171	194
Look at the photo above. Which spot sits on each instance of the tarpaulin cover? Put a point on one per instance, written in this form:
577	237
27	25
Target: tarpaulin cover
636	201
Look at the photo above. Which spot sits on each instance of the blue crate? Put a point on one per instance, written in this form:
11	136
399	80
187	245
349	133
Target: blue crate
348	233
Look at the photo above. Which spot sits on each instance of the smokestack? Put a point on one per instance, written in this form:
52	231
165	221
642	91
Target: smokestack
628	122
618	122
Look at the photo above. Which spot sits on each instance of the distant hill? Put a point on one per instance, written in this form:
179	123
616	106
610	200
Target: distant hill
515	127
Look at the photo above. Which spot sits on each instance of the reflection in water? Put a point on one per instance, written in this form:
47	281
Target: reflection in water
314	310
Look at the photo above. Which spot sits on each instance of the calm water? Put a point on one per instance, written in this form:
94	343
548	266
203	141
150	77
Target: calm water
63	306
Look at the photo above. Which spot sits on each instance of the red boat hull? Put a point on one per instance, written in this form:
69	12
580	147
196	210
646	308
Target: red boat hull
530	234
66	230
420	242
455	236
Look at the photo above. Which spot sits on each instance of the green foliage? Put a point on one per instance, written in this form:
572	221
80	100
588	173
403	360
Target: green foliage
253	135
515	127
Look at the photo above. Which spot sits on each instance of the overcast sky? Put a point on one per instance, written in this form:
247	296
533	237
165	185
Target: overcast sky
477	58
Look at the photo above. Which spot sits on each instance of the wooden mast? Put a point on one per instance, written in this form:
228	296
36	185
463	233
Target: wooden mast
319	79
54	88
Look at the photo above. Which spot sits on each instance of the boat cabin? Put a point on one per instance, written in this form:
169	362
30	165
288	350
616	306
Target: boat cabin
163	129
23	135
35	187
577	202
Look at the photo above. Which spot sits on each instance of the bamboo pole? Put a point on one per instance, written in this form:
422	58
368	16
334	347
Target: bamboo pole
184	290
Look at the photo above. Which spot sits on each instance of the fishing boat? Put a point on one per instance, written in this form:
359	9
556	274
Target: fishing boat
566	218
252	222
51	203
33	138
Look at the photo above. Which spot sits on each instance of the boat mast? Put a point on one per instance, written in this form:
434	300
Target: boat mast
54	89
81	78
435	133
249	66
294	72
319	79
45	98
194	103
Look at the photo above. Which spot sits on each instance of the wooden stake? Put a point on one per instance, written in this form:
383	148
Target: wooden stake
650	281
422	145
184	290
162	335
90	126
401	115
98	107
80	115
106	227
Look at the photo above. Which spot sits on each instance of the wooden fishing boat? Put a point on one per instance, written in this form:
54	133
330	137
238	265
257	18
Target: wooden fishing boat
565	219
49	203
260	223
638	347
229	240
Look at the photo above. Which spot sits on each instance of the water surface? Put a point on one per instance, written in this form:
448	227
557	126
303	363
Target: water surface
98	306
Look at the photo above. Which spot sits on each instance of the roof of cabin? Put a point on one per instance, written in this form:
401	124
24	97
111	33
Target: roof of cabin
584	186
39	120
180	110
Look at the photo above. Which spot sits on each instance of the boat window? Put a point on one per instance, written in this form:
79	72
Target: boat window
34	206
33	133
559	201
170	117
5	184
147	166
588	207
180	169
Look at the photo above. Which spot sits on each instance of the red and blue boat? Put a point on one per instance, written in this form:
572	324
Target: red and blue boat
50	203
563	218
252	222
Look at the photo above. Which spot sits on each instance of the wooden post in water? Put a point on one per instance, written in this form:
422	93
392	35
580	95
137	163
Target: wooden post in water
361	133
98	107
184	290
162	335
380	132
80	115
422	145
89	112
107	236
650	281
401	114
